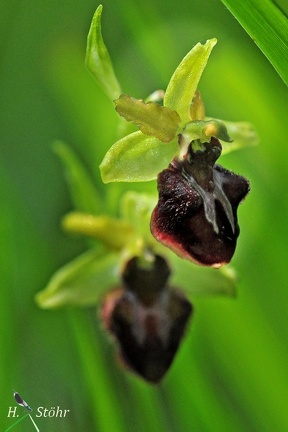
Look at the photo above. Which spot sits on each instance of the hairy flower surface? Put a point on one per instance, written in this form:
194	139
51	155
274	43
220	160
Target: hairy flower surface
196	215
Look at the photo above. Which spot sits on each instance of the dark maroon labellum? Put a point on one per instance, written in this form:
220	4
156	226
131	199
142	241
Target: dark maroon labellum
196	215
147	318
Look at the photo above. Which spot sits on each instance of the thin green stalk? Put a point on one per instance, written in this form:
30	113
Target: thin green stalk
17	421
33	423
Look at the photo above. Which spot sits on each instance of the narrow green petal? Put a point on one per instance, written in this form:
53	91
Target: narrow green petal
184	82
98	59
82	282
152	119
135	158
112	232
84	195
197	109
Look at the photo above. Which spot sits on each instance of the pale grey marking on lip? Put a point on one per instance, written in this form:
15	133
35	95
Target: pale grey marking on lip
209	200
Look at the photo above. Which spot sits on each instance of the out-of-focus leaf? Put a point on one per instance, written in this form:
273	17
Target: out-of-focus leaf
152	118
135	158
98	59
81	282
83	193
137	205
268	27
101	389
183	84
202	281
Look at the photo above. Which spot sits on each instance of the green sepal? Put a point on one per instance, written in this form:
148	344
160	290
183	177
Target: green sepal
243	135
84	195
98	60
202	281
82	282
184	82
135	158
152	118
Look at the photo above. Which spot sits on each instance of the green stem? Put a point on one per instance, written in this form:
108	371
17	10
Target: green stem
36	427
17	421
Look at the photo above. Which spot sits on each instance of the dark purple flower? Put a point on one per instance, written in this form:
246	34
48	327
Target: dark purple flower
147	318
196	215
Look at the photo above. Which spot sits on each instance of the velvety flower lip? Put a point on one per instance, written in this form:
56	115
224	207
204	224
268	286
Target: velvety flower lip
196	215
147	318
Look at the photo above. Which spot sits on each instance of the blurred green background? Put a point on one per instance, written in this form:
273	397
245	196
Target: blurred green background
231	373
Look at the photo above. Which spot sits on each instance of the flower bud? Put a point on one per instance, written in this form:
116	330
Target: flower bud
147	318
196	215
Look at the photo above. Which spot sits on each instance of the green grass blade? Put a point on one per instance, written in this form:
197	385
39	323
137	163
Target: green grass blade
17	421
102	390
267	26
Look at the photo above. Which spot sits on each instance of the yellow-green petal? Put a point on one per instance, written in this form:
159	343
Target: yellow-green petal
152	119
112	232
